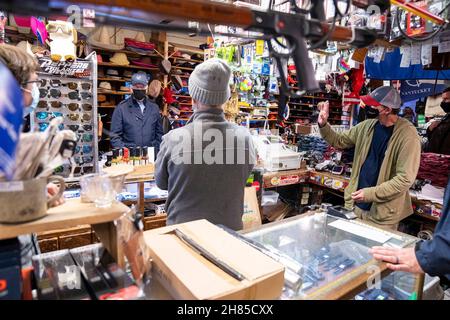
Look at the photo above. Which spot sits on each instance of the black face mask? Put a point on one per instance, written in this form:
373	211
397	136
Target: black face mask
445	106
372	113
139	94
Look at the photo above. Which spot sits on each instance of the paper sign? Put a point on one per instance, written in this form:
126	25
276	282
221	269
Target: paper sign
251	217
406	57
415	54
378	55
425	53
444	47
361	230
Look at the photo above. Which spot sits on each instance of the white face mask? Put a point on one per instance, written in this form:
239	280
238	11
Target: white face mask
36	96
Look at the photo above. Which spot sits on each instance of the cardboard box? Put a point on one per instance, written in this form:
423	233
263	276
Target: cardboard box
188	275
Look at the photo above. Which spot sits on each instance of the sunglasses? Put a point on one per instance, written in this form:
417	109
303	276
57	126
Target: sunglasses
42	115
84	170
45	104
60	169
75	116
83	159
87	137
74	85
44	125
87	149
75	106
75	127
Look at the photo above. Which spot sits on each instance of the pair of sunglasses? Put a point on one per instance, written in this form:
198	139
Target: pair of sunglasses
70	85
86	117
83	170
56	93
44	125
86	149
76	127
42	115
75	106
46	104
83	159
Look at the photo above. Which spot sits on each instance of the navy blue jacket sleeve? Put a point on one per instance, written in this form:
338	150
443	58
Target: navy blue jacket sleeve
434	256
158	134
117	128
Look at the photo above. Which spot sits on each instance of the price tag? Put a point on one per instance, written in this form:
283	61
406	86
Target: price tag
415	54
426	52
444	47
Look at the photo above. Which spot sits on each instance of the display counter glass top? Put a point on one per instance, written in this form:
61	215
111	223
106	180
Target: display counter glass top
326	257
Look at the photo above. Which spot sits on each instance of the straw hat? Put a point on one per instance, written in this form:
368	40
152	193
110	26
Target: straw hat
105	86
102	39
140	36
154	89
120	58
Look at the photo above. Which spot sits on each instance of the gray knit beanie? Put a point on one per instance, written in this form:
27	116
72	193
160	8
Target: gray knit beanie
209	82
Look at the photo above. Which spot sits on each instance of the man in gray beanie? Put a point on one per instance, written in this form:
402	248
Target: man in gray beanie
205	164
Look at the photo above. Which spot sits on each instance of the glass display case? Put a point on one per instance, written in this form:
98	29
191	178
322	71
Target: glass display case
327	258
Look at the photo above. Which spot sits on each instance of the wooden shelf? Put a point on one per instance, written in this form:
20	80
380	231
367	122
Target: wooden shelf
112	79
153	55
183	68
180	96
107	107
119	93
185	59
112	65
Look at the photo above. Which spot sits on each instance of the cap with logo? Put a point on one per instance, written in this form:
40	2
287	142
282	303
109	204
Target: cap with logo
139	79
383	96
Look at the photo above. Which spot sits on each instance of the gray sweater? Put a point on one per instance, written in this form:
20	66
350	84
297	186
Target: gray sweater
205	177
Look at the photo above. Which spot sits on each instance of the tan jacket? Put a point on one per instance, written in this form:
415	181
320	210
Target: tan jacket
390	197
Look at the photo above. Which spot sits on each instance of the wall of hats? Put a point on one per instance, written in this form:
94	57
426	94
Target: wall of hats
67	90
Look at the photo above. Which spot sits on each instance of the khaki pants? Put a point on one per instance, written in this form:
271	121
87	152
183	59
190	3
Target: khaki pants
364	216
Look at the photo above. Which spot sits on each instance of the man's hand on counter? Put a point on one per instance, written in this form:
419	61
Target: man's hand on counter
398	259
358	196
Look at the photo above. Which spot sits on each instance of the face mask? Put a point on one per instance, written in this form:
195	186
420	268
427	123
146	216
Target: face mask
372	113
36	96
139	94
445	106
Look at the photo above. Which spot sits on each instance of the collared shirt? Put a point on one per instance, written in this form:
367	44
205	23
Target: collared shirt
141	105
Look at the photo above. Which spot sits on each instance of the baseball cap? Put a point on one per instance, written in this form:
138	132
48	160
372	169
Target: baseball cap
139	78
383	96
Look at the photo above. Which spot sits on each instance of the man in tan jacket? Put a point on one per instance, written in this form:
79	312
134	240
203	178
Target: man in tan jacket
387	157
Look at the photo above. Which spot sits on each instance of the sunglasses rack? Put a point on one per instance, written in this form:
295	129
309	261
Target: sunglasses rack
74	98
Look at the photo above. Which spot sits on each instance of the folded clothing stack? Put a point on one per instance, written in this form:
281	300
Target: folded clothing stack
434	167
312	143
139	46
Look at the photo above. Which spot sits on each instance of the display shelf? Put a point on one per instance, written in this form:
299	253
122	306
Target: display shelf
112	65
113	79
183	68
128	52
118	93
284	178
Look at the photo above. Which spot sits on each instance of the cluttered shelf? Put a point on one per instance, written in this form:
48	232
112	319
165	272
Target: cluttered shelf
113	65
70	214
128	52
113	79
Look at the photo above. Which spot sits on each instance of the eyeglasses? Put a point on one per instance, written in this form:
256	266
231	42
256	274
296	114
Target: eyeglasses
86	117
56	93
53	28
44	115
53	93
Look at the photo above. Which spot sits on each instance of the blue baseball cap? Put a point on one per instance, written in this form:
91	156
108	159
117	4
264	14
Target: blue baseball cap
139	78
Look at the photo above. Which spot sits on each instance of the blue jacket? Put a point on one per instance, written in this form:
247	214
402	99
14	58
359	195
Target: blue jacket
131	128
434	256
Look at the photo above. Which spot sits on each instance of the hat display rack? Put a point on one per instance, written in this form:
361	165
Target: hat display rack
69	90
118	58
183	61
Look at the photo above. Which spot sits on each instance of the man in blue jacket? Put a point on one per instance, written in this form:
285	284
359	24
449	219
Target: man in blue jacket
431	257
136	121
